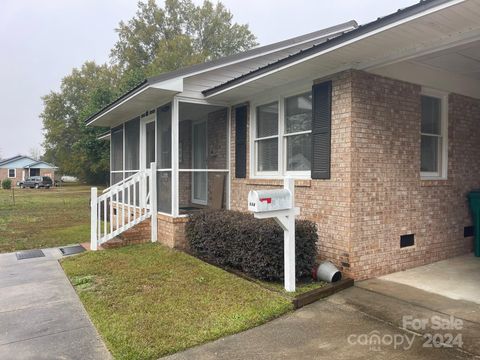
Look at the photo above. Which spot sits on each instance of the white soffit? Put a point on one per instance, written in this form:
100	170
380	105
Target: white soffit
132	106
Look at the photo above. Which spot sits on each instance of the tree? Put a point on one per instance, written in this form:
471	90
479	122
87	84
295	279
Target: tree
155	40
159	39
68	143
35	153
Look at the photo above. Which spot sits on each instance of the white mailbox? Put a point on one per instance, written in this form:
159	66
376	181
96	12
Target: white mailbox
269	200
279	205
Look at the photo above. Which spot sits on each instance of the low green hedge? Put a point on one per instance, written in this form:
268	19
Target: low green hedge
237	240
6	184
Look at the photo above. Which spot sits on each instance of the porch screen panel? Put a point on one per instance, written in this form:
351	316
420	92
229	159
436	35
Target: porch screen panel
164	191
132	144
164	137
202	157
116	161
217	140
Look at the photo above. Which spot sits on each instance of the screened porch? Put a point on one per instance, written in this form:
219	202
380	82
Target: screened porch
189	142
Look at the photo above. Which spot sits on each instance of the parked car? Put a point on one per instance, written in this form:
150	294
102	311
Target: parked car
68	179
37	182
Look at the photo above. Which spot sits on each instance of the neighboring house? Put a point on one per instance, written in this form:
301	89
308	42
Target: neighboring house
19	167
378	123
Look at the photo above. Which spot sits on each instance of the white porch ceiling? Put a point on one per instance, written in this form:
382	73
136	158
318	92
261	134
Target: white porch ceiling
456	69
148	98
462	60
453	24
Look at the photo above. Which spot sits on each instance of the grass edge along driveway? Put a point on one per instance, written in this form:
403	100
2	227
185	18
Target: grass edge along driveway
148	301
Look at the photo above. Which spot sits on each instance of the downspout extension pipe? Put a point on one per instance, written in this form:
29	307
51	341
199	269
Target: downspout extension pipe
326	271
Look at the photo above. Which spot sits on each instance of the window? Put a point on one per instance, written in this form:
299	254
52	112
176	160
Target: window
267	138
298	126
282	137
12	173
434	137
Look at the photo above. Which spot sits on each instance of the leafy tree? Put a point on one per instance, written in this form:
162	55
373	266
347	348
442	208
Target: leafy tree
180	34
155	40
68	143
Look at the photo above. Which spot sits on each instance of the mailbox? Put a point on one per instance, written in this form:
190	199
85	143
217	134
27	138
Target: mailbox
269	200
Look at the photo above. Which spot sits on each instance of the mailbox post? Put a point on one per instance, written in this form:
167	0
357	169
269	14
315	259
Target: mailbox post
279	205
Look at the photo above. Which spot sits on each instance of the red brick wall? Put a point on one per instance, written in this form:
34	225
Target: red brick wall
375	193
388	197
19	172
327	202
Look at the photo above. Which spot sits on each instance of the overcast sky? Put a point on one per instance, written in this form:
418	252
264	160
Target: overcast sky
41	41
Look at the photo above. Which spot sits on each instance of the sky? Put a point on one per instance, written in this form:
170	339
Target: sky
41	41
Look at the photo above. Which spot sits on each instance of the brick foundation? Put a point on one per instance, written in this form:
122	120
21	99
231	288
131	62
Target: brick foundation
171	231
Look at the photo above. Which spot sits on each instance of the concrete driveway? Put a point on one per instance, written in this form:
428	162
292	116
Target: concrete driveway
376	319
41	316
457	278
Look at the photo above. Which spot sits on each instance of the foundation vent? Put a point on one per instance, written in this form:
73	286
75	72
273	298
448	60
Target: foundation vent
468	231
407	240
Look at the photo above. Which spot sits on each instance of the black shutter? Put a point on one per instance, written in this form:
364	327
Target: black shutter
321	130
241	142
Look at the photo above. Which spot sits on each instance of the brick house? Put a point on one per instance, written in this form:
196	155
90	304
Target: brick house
18	168
377	123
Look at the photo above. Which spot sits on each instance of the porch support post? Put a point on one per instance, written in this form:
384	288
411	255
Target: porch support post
175	139
289	240
93	218
153	200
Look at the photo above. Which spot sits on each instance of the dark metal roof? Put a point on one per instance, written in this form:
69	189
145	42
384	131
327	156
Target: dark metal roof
135	89
224	61
346	36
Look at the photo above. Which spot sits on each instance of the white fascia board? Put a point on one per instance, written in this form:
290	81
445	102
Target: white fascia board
343	44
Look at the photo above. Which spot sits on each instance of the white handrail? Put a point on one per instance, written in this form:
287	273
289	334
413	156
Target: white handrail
119	183
116	201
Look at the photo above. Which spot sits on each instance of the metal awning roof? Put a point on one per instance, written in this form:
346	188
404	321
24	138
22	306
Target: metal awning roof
419	29
147	95
143	93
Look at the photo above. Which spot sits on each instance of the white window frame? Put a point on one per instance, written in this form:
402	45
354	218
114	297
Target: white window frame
442	173
282	137
15	174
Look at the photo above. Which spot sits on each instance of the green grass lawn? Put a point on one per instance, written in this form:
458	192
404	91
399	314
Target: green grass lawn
44	218
148	301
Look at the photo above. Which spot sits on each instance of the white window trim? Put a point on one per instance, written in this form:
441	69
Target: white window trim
442	174
282	148
14	176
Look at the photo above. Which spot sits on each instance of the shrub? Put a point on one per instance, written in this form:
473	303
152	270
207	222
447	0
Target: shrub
6	184
237	240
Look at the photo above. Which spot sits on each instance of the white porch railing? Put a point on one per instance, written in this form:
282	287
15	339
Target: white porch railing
123	206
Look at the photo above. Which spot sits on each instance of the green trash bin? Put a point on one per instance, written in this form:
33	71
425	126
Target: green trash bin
474	200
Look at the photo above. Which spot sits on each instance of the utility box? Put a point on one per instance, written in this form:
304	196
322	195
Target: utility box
269	200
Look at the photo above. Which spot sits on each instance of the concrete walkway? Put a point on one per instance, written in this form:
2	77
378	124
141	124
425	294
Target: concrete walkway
41	316
456	278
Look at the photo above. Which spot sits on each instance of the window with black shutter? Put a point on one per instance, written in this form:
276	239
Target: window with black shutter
241	142
321	130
